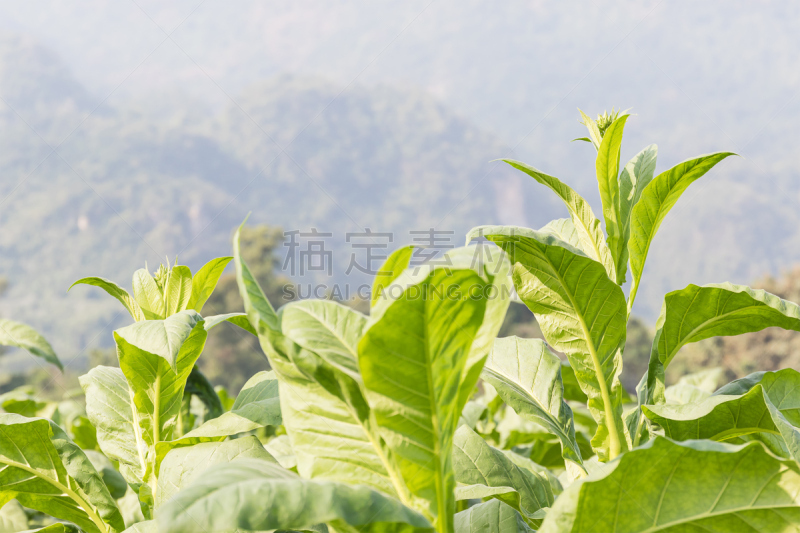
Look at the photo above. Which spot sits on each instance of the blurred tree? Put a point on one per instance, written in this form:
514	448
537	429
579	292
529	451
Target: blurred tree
232	355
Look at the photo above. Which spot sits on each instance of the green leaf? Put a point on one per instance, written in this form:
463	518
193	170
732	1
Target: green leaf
116	484
205	281
117	292
572	389
333	431
689	486
197	385
496	270
109	408
581	313
594	132
256	406
328	329
607	167
178	291
413	359
55	528
527	376
13	518
635	176
148	526
584	139
181	466
564	230
493	516
590	233
25	337
658	197
483	471
148	295
44	470
258	495
395	264
156	357
260	312
237	319
696	313
727	418
695	387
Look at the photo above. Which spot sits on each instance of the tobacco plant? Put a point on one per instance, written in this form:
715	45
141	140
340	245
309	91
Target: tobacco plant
416	418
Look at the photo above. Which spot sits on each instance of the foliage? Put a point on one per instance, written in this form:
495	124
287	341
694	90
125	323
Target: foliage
416	417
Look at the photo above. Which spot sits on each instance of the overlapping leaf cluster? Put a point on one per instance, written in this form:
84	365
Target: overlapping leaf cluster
415	417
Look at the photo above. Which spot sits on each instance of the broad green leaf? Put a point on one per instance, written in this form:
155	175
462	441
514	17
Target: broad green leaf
281	449
695	387
147	526
413	358
689	486
178	291
258	495
323	407
657	198
493	516
197	385
581	313
333	431
205	281
572	389
496	269
590	233
117	292
156	357
328	329
564	229
13	518
727	418
633	178
237	319
332	428
594	132
696	313
395	264
527	376
25	337
256	406
607	167
116	484
109	405
44	470
148	295
183	465
483	471
55	528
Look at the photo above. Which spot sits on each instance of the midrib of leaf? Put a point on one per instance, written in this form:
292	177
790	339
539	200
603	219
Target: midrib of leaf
614	445
527	395
60	486
710	513
441	498
137	433
680	345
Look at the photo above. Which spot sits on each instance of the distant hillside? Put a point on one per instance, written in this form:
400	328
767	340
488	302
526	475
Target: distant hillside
133	183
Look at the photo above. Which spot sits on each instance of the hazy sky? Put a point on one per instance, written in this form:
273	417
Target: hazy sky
700	76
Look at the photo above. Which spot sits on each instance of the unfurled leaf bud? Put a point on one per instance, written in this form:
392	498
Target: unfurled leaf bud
161	277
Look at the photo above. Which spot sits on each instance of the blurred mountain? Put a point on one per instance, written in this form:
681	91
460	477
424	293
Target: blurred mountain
94	189
342	115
